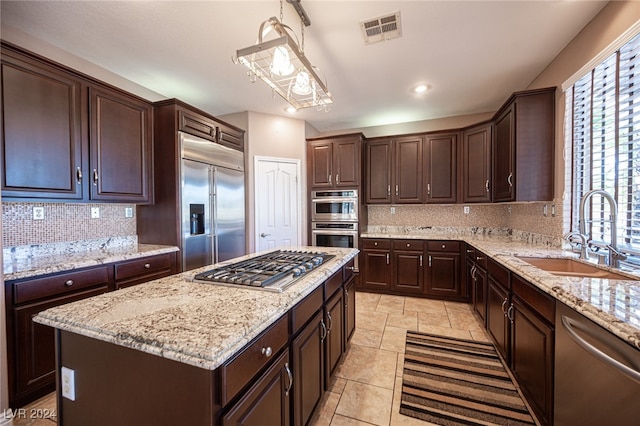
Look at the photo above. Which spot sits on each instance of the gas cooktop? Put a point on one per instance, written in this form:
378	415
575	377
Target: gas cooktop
272	271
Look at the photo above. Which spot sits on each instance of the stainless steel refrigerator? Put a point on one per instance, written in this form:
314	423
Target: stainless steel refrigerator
212	193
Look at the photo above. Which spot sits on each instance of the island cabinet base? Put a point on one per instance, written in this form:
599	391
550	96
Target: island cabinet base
278	378
115	385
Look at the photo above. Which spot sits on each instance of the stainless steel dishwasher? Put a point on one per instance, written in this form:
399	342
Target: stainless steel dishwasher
597	374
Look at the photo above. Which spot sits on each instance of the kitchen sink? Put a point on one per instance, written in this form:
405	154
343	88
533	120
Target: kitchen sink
572	268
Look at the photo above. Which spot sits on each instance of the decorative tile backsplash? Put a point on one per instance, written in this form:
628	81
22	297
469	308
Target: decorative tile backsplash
64	223
526	219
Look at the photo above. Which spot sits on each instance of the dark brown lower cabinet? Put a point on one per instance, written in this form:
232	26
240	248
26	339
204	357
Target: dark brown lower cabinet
497	322
350	308
267	401
335	347
307	359
444	270
408	266
34	344
375	270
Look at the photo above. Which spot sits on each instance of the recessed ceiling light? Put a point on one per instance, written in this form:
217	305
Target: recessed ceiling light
421	88
290	109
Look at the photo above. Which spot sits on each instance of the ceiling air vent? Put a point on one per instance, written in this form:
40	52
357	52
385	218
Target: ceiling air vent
381	28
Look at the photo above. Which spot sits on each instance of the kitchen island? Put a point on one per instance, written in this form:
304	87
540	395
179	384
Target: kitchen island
179	352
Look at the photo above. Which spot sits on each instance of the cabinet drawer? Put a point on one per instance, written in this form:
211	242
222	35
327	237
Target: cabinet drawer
144	266
540	302
303	311
196	125
481	259
332	284
443	246
39	288
238	372
499	273
380	243
413	245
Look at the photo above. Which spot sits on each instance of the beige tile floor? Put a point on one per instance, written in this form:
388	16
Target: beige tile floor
367	387
369	381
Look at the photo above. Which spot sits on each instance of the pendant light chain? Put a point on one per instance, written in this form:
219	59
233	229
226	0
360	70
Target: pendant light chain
302	31
281	14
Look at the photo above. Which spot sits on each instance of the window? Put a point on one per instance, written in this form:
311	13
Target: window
603	110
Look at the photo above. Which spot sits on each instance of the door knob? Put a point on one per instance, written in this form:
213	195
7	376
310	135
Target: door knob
264	235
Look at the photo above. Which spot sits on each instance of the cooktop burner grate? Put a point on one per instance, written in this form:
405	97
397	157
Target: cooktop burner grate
272	271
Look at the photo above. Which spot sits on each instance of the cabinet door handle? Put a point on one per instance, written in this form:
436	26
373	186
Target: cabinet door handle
147	266
428	189
329	179
421	261
346	298
510	313
429	261
337	179
324	331
95	176
473	273
388	190
68	283
78	175
479	258
267	351
396	189
387	258
504	302
288	389
486	185
510	179
330	322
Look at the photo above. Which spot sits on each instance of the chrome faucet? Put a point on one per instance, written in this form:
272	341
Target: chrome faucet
614	255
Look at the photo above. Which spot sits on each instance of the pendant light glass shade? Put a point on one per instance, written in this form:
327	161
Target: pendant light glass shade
281	64
302	85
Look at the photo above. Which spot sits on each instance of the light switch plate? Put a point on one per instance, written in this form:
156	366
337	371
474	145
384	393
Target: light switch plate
38	213
68	378
465	209
95	212
128	212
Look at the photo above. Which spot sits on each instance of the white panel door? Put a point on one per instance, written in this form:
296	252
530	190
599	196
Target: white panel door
278	205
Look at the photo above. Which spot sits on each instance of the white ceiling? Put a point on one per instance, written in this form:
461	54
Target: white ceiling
474	54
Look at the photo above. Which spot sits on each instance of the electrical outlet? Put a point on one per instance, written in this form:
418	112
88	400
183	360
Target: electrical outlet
95	212
393	210
38	213
466	209
68	378
128	212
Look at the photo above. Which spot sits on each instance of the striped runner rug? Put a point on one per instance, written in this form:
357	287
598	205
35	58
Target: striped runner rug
450	381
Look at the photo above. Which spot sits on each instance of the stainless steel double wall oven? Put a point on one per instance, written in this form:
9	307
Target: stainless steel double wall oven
334	218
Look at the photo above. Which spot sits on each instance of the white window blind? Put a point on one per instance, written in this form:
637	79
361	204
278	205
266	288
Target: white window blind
605	118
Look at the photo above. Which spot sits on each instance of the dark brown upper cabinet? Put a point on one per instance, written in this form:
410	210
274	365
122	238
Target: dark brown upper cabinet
66	137
476	164
523	147
440	161
207	128
335	162
41	130
394	170
120	146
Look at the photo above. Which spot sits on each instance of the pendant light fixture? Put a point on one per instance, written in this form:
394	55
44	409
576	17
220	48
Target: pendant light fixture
281	63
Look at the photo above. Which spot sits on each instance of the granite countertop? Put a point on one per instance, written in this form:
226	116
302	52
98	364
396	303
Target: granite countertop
613	304
197	324
26	263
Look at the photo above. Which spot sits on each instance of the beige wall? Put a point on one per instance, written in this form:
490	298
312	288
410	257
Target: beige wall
271	136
